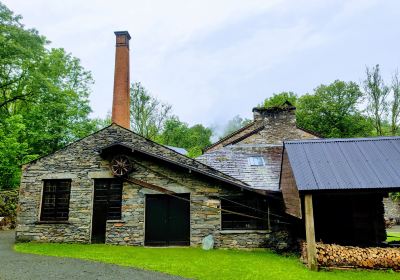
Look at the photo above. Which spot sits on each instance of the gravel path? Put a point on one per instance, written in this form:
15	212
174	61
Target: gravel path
19	266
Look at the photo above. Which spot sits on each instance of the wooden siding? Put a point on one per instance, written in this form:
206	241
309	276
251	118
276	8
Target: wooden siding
289	189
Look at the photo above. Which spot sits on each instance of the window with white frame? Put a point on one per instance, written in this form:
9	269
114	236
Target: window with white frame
256	161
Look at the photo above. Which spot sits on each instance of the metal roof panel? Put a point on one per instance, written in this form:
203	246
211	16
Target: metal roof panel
355	163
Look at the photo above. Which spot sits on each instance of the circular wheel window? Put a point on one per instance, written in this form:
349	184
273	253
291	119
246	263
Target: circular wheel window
121	165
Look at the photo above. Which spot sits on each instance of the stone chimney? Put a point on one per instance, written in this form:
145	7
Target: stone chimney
279	123
121	101
284	112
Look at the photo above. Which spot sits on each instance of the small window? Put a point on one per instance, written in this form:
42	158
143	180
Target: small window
254	212
256	161
55	200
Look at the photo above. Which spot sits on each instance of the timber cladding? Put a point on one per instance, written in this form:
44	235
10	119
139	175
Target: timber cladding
289	189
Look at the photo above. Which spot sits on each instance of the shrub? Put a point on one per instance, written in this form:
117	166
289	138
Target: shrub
8	208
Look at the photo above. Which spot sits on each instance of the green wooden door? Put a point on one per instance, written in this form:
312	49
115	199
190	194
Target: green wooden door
167	220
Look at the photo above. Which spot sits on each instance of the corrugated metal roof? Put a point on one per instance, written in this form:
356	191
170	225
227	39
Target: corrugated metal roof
355	163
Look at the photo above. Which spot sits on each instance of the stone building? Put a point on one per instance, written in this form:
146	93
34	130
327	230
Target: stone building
253	154
117	187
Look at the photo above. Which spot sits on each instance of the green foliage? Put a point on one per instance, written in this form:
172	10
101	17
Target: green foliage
395	104
44	97
8	207
332	110
395	196
376	93
152	119
148	115
14	150
277	99
179	134
234	124
195	263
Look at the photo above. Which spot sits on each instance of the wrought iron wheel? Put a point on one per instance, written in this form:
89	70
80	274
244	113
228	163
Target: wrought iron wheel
121	165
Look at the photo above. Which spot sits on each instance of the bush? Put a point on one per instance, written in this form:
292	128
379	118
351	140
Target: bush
8	208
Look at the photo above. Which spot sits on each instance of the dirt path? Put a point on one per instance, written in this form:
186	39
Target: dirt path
19	266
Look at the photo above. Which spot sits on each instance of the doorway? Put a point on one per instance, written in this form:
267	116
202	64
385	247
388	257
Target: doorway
107	202
167	220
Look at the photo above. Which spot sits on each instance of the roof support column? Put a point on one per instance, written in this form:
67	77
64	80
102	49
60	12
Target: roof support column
310	233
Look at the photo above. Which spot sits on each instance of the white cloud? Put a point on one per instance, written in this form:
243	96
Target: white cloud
199	56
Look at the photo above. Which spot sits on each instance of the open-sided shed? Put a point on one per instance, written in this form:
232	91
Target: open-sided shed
337	186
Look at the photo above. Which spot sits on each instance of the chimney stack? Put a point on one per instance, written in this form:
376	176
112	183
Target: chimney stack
121	101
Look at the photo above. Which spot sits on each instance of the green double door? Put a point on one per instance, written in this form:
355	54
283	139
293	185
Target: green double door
167	220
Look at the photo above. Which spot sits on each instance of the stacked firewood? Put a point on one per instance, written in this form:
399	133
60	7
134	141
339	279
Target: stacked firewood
331	255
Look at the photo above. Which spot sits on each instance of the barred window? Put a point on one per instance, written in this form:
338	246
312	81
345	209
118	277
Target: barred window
254	213
55	200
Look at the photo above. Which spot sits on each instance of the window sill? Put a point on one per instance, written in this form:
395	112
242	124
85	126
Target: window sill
116	221
52	222
243	231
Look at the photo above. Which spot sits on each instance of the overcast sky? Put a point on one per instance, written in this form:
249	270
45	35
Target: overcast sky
214	59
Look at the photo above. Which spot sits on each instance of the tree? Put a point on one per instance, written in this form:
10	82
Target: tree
376	93
234	124
332	110
148	115
43	97
179	134
21	49
14	151
277	99
59	112
395	104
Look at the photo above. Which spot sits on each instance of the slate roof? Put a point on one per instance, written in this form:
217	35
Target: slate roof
233	160
145	146
339	164
114	135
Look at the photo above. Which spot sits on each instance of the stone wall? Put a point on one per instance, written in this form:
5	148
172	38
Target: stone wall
392	211
81	162
244	239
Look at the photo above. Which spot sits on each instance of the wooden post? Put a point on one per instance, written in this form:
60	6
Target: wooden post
310	233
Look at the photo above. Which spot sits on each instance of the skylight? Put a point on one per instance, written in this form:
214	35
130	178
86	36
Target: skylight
256	161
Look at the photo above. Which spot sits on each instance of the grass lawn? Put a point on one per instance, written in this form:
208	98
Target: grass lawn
199	264
393	236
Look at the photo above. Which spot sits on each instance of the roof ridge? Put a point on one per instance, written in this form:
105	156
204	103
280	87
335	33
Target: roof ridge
354	139
229	135
310	131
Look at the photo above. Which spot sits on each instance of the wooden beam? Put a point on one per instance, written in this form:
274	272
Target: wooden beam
310	233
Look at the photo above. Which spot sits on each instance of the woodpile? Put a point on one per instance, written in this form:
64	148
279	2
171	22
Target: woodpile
331	255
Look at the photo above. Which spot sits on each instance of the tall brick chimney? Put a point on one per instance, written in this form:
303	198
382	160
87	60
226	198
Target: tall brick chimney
121	101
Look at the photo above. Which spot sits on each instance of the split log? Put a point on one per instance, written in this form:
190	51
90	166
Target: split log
332	255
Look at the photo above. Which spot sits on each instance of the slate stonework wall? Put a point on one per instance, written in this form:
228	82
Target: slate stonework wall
392	210
81	162
277	128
